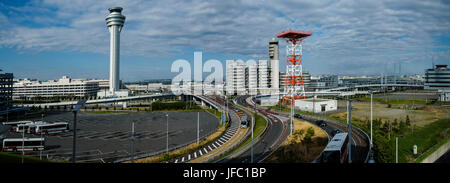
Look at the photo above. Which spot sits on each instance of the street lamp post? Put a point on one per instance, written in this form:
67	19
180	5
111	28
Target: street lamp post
80	103
198	127
349	110
371	115
167	139
254	121
40	153
132	142
23	142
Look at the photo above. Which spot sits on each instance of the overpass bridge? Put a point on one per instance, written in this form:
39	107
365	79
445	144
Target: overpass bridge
202	99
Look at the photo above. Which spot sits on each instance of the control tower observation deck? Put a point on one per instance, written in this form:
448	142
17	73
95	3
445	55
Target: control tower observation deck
114	22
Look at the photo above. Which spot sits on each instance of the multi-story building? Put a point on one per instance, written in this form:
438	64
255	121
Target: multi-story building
6	92
63	87
324	82
263	77
274	65
252	79
235	82
437	78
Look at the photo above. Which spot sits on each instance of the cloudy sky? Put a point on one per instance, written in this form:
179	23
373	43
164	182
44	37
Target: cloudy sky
46	39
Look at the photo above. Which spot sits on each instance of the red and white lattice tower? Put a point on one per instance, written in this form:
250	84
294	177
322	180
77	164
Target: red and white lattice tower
293	86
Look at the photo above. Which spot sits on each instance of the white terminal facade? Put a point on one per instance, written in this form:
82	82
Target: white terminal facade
63	87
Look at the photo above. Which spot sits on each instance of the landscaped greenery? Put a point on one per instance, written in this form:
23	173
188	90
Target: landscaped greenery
16	158
385	131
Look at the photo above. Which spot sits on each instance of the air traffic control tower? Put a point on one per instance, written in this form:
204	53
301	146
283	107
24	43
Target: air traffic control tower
114	21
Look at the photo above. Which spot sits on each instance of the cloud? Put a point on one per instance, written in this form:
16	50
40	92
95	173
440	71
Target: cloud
345	32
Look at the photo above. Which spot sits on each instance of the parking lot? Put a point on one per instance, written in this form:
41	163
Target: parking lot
106	137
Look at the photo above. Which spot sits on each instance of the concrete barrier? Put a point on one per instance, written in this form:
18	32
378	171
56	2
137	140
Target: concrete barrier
437	154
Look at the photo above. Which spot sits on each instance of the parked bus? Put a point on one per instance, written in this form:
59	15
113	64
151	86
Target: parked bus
50	128
27	126
29	144
13	125
336	150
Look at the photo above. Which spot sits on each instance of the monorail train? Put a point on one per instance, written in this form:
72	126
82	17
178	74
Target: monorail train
336	150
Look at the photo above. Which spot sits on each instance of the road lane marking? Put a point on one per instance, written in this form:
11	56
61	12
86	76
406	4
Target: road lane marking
214	146
206	152
210	148
201	154
195	154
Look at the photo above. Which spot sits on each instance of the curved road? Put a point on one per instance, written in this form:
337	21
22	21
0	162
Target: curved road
276	132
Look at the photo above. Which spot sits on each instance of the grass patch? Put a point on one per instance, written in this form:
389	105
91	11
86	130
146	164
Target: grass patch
425	138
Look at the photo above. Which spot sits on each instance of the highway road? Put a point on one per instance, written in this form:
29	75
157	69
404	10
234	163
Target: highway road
275	134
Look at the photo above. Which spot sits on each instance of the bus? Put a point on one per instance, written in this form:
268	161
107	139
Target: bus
244	121
29	144
336	150
49	128
15	123
27	126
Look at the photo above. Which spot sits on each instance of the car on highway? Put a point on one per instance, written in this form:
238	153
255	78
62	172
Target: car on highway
297	116
335	131
321	123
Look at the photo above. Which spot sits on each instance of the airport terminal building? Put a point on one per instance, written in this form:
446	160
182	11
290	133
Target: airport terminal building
63	87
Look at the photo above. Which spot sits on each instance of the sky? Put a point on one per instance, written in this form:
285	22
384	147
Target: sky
46	39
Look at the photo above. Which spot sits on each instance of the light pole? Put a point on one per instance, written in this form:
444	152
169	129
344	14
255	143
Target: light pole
167	140
132	142
80	103
40	153
23	142
198	127
254	121
349	111
371	115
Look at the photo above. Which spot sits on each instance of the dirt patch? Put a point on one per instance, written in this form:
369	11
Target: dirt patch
422	116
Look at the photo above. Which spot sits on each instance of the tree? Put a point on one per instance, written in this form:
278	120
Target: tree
408	122
308	137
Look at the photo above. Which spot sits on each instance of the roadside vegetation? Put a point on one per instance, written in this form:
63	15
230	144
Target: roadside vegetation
17	158
303	146
426	127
